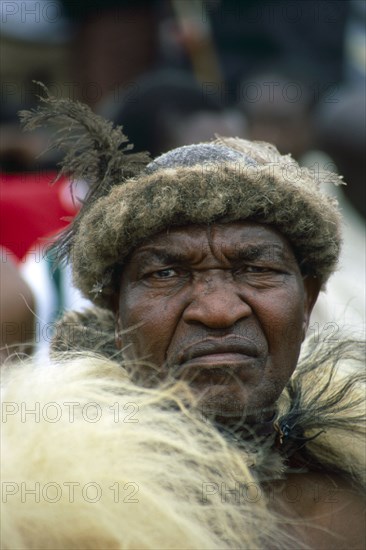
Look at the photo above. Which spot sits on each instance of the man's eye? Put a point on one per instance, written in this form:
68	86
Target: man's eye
253	269
164	273
257	269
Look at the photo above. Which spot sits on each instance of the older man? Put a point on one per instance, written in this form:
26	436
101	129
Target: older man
206	263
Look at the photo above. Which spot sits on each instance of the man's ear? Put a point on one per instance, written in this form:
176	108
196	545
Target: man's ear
117	330
312	287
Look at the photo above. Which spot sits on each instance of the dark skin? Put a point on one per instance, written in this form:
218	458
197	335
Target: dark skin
323	511
227	308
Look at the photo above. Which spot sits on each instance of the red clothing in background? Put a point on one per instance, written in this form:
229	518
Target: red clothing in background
32	209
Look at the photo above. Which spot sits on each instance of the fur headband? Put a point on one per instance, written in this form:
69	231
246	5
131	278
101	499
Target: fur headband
227	180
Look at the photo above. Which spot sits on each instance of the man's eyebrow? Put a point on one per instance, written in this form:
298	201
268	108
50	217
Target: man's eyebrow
242	252
159	254
260	252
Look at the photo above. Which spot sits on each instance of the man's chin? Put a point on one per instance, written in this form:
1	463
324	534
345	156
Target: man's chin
229	405
221	401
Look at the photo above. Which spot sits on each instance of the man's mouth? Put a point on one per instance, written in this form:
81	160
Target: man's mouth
230	352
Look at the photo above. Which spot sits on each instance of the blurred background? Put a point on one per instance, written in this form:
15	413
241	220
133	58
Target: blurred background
174	72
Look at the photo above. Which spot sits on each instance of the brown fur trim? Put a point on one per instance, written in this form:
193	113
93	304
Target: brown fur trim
203	194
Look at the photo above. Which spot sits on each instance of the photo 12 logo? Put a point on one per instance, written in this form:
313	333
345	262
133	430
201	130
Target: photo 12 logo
71	491
53	412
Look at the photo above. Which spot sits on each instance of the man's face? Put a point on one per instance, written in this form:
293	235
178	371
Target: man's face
223	306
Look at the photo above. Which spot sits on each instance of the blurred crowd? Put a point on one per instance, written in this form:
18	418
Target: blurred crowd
174	72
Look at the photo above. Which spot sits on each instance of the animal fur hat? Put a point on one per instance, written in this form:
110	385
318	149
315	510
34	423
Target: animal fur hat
131	198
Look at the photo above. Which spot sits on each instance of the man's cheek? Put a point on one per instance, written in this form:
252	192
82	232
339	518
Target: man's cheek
285	322
152	340
285	333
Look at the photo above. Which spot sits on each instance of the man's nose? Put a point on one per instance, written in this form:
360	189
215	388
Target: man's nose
216	304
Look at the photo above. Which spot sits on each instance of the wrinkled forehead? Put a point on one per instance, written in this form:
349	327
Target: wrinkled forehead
218	238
